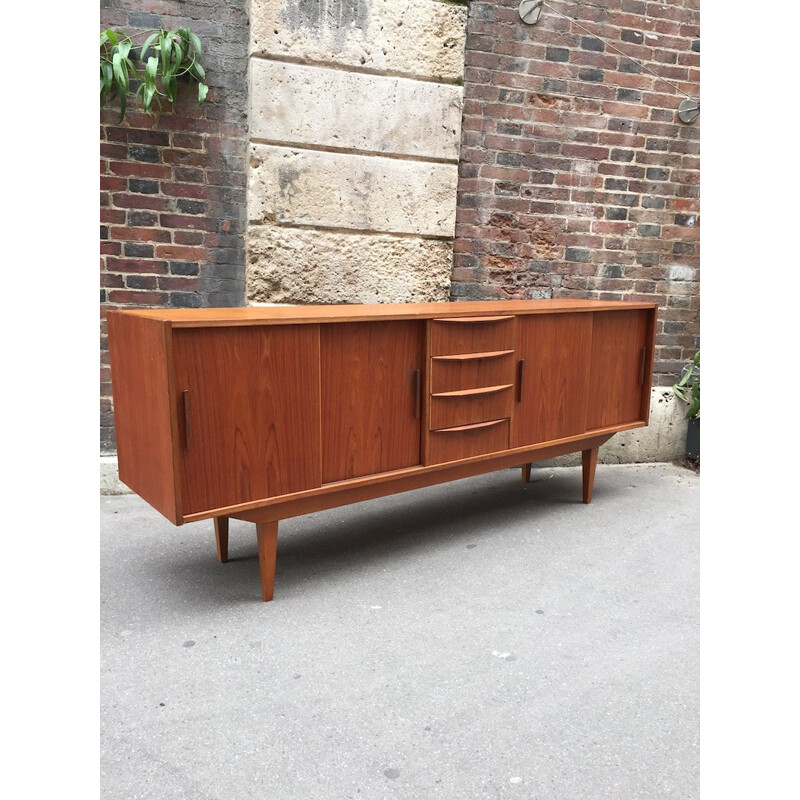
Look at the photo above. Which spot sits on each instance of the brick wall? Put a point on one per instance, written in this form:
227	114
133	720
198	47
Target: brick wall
576	178
172	186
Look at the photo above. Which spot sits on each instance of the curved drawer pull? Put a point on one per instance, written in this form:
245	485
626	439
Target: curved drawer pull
472	427
471	392
469	320
472	356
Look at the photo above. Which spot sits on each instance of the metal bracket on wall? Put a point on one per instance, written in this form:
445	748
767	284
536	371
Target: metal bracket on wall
688	110
530	11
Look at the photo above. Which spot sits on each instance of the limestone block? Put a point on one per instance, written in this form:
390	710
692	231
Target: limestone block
300	104
340	190
291	265
414	37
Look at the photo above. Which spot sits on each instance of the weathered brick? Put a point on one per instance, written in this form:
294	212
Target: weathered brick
592	43
184	267
657	174
143	187
557	54
138	250
576	254
634	37
618	154
138	152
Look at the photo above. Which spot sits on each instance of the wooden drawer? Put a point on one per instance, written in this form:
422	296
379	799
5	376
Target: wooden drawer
452	444
471	405
471	370
471	335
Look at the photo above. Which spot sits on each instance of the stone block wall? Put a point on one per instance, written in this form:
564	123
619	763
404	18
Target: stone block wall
355	126
576	178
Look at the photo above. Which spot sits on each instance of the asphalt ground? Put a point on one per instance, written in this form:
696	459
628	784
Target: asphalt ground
478	639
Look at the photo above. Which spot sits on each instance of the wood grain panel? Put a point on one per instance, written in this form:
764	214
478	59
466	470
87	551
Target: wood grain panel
370	422
450	373
449	411
253	411
465	335
288	315
140	386
618	365
470	440
556	351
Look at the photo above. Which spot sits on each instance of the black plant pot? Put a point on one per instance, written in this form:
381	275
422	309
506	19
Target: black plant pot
693	439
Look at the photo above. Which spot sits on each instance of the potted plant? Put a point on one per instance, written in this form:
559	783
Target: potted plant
688	390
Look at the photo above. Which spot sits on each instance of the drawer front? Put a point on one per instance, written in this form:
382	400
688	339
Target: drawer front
473	440
463	409
471	335
457	372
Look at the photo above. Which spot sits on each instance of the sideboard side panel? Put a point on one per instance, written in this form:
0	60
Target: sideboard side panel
140	386
371	405
253	413
620	341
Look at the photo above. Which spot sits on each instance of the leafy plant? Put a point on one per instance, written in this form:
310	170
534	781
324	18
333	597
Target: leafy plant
172	55
688	387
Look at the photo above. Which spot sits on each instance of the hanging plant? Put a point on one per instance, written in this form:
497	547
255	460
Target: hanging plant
167	57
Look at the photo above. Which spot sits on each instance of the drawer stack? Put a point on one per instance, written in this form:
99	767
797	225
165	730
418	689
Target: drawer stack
471	380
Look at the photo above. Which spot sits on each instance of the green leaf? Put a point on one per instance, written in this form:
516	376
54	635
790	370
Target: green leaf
198	50
122	106
108	76
202	91
147	44
147	97
124	48
111	36
120	73
177	54
198	71
151	70
166	50
169	84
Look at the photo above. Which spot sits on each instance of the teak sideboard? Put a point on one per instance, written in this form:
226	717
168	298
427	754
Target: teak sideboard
267	413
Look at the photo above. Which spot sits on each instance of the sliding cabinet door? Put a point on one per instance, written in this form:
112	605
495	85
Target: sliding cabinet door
553	377
621	363
248	405
371	401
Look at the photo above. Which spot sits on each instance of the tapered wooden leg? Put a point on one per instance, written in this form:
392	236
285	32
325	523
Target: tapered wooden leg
267	533
526	473
221	534
589	466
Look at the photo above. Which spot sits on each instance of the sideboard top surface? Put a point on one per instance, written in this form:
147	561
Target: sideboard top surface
281	314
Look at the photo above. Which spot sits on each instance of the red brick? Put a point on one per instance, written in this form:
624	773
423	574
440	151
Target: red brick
181	253
132	297
140	169
143	201
190	237
138	265
140	234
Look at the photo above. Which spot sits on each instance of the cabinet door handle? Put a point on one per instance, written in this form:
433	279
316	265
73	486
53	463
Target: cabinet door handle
417	393
520	378
186	426
642	362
